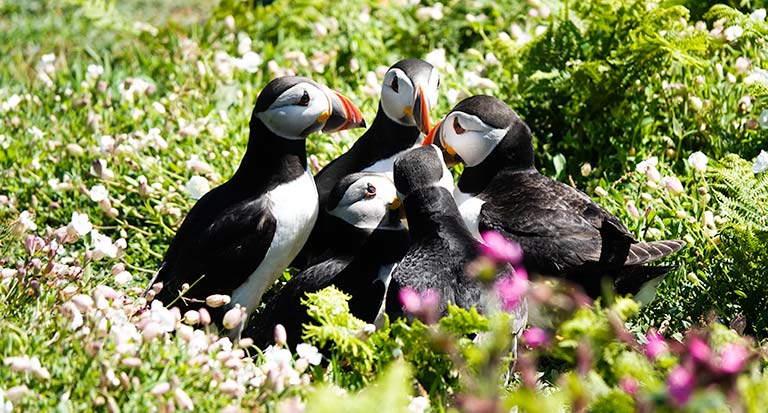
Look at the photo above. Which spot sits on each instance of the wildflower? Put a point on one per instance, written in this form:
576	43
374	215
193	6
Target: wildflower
198	166
25	223
673	185
197	186
10	104
164	318
498	248
191	317
155	139
599	191
160	389
36	132
233	317
14	394
761	163
733	357
629	385
133	87
437	58
94	71
99	169
535	337
281	336
421	304
123	277
643	166
680	383
758	15
435	12
71	312
474	80
732	33
696	103
145	27
655	345
586	169
653	174
277	358
742	65
418	404
511	289
250	62
698	161
103	246
745	103
182	399
217	300
699	350
309	352
757	75
80	224
632	209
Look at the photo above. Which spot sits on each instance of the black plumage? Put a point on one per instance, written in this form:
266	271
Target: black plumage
357	263
226	236
561	230
384	139
441	244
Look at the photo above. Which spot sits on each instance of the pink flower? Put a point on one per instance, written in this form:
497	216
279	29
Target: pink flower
680	383
699	350
410	300
733	357
512	288
656	344
422	304
536	337
629	385
498	248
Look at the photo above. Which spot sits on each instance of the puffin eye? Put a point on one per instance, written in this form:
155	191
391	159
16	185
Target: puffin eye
304	101
457	127
395	86
370	191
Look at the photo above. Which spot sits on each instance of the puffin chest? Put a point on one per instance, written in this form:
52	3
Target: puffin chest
294	206
469	208
385	166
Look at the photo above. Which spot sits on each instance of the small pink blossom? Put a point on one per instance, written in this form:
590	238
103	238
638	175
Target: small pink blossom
733	357
511	289
422	304
699	350
680	383
656	344
629	385
498	248
535	337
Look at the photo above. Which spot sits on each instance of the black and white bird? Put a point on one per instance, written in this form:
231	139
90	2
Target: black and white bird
240	236
408	93
561	230
371	239
441	245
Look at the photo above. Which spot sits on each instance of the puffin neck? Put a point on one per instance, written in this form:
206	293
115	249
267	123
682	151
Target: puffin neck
428	209
269	156
386	245
504	157
386	137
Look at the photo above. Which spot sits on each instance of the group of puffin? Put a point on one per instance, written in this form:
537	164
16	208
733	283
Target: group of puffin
344	226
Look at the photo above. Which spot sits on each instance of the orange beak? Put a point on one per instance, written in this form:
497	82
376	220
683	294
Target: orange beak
430	139
421	111
344	115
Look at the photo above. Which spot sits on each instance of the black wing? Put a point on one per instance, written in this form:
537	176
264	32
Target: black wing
559	227
285	307
221	240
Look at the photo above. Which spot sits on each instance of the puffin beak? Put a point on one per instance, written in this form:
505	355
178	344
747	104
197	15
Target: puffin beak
344	114
430	139
421	111
395	203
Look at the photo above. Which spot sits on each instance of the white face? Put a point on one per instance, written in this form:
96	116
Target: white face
446	181
297	112
469	137
366	203
398	95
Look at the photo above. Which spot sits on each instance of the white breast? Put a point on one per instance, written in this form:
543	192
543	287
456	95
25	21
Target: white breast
295	207
385	276
385	166
469	207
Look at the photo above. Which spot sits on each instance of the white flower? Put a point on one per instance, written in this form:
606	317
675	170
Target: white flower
233	317
10	104
761	163
145	27
643	166
696	103
243	43
437	58
250	62
217	300
102	246
599	191
309	352
698	161
758	15
36	132
197	186
277	358
94	71
5	405
418	404
673	185
26	221
80	224
159	108
435	12
757	75
734	32
474	80
196	165
742	65
154	139
653	174
98	193
182	399
123	277
162	316
71	311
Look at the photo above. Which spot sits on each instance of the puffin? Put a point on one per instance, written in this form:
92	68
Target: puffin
408	93
371	241
239	237
562	231
441	244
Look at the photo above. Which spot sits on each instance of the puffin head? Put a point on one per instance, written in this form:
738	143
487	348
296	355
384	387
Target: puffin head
409	92
420	168
293	107
476	127
366	201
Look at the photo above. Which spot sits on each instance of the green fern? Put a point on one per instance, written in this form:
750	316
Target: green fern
741	194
